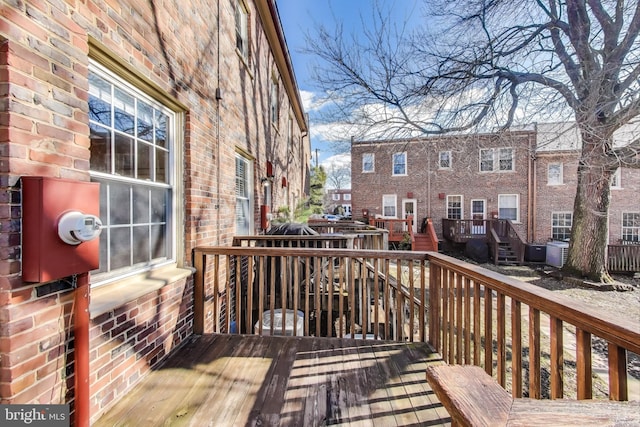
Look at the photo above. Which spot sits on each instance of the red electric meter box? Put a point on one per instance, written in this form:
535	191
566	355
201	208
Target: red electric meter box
60	228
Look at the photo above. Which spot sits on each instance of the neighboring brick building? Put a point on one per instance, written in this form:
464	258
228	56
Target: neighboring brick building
528	176
188	115
338	200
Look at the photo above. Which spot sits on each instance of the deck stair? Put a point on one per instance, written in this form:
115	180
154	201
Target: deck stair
506	255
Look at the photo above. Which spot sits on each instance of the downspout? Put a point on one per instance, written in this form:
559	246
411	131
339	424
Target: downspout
81	351
533	185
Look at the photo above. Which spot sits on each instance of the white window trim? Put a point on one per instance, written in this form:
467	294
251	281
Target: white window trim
373	163
175	168
446	207
393	164
561	176
496	160
623	227
517	220
560	213
395	205
617	180
244	53
440	160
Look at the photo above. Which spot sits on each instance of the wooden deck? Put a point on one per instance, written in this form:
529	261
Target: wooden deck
234	380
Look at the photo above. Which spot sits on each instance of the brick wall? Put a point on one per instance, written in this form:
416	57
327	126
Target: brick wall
429	185
180	53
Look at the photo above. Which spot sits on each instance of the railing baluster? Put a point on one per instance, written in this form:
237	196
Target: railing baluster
261	292
412	294
488	330
451	329
399	310
364	305
352	297
296	292
534	353
387	301
330	298
227	293
477	337
444	289
583	364
284	285
435	272
501	337
423	306
459	327
250	279
200	264
516	348
307	291
617	373
317	276
557	358
467	320
238	296
341	313
376	297
272	294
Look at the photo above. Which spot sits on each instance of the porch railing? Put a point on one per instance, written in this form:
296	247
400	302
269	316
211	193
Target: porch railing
508	326
624	258
400	230
527	337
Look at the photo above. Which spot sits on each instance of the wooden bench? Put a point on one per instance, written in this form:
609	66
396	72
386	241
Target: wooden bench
473	398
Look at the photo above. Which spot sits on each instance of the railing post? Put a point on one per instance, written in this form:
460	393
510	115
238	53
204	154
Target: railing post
198	292
617	373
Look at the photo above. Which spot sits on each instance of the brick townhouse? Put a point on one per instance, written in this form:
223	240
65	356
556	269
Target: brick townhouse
187	115
528	176
338	200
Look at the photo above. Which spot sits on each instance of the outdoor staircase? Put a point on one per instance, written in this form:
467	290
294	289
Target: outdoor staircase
423	242
506	255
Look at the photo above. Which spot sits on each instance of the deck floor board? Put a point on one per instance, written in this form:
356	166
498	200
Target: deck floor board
246	380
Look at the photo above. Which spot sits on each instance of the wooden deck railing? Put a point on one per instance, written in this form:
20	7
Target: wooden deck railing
400	230
473	310
624	258
378	294
518	332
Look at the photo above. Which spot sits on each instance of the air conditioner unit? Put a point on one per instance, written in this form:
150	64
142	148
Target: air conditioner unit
557	253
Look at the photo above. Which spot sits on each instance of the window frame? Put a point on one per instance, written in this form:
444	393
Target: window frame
449	208
448	160
242	29
616	179
346	196
557	178
248	201
517	199
274	101
555	217
365	156
494	157
632	231
386	198
139	92
403	164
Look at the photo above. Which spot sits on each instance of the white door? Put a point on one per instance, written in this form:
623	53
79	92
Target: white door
409	209
478	215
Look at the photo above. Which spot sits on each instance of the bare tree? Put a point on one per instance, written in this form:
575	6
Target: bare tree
488	63
338	175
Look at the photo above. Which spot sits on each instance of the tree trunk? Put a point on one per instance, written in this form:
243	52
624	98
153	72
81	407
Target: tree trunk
590	231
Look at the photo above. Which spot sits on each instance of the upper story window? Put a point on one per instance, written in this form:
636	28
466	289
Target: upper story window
400	163
444	160
244	211
242	29
454	207
554	174
346	196
615	179
133	140
631	226
497	159
561	225
509	207
368	162
274	104
336	196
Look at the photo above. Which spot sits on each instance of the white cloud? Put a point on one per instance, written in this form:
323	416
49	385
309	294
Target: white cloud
337	160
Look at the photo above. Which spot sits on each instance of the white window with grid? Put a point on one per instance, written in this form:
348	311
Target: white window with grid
509	207
444	160
631	226
133	140
561	225
368	162
244	216
399	163
454	207
554	174
242	29
389	205
497	159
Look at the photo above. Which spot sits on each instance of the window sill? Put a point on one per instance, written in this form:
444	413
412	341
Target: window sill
106	298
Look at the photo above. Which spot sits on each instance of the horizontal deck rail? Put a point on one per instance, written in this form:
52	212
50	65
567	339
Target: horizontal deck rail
311	292
474	310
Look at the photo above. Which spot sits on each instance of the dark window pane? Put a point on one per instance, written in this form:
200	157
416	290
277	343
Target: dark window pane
161	129
145	121
145	152
140	205
158	241
100	160
124	155
120	203
159	205
120	247
140	244
161	165
124	112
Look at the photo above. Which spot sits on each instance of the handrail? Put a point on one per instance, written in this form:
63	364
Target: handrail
368	292
463	317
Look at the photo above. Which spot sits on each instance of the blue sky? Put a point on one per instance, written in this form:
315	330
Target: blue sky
301	16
